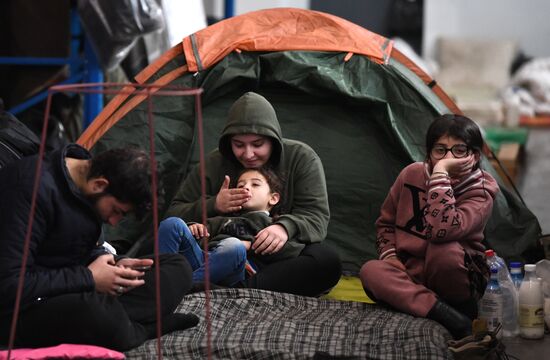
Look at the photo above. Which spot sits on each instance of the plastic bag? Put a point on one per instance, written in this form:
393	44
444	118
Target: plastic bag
543	272
114	26
482	344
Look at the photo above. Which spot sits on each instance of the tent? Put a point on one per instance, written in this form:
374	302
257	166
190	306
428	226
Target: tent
361	104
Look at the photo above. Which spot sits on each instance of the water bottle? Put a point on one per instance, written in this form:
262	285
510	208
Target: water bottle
531	305
510	326
516	274
543	272
491	304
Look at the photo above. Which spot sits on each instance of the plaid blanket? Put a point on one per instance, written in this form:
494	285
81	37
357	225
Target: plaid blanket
258	324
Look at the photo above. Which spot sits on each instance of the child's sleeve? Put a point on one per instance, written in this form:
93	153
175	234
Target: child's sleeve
385	225
460	213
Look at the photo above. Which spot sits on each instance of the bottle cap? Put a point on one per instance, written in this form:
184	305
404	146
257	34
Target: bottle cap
515	264
489	253
530	267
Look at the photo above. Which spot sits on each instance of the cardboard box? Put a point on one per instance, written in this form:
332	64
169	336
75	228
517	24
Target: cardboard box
509	156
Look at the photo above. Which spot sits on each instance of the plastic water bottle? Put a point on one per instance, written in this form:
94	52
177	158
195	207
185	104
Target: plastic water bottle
516	273
531	305
543	272
510	326
491	304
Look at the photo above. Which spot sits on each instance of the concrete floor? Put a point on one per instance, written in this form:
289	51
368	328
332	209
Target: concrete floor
534	182
524	349
534	186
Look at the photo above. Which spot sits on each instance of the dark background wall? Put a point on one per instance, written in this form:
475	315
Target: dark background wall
402	18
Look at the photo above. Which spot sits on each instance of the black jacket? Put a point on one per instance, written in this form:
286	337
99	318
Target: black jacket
65	231
246	226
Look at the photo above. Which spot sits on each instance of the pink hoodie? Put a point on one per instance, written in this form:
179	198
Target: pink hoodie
419	209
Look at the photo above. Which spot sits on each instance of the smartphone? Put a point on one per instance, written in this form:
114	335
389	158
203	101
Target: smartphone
141	268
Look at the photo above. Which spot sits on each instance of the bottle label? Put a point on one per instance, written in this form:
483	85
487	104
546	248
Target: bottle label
531	316
491	310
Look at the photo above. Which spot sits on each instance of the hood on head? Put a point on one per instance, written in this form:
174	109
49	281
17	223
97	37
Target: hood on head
252	114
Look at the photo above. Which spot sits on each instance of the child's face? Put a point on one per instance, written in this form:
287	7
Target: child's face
449	147
261	197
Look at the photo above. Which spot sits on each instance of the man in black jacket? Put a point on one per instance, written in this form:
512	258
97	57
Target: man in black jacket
74	290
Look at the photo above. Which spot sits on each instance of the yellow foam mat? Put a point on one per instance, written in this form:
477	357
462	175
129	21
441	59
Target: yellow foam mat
349	288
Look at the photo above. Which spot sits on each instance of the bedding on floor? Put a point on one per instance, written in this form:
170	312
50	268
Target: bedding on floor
259	324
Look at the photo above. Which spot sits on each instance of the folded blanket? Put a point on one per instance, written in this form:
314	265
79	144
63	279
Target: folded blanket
259	324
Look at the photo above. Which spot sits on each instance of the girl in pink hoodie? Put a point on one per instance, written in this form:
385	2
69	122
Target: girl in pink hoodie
429	233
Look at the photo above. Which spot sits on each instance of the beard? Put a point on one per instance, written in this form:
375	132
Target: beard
93	199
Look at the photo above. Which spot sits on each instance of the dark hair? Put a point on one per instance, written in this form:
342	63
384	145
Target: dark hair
129	176
457	126
274	180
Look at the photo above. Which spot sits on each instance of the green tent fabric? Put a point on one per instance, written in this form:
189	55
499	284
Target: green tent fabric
365	119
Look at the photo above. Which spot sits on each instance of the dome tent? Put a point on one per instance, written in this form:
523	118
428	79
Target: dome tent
345	91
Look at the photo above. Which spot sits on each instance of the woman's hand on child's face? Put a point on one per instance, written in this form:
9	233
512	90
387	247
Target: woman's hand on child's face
198	231
230	200
456	168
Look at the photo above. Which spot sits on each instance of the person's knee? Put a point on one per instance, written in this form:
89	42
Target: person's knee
328	261
370	272
177	264
173	235
234	247
105	322
334	266
171	223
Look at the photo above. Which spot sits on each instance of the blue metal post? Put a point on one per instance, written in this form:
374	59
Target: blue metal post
93	103
229	9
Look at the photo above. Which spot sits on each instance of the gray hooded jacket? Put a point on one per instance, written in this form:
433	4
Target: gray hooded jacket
305	209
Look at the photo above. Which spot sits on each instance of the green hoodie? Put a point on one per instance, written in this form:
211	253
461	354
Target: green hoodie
304	208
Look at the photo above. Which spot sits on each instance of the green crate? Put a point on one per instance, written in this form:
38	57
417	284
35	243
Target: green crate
496	136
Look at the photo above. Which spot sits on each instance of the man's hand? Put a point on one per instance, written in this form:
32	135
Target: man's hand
112	279
198	230
135	264
395	262
230	200
270	240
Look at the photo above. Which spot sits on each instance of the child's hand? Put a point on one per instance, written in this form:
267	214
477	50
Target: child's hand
247	244
198	230
456	168
395	262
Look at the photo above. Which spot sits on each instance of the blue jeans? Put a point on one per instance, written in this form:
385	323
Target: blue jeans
226	261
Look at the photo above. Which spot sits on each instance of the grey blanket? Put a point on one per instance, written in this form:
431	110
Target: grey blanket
258	324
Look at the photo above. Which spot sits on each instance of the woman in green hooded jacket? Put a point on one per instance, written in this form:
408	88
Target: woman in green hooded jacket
252	138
